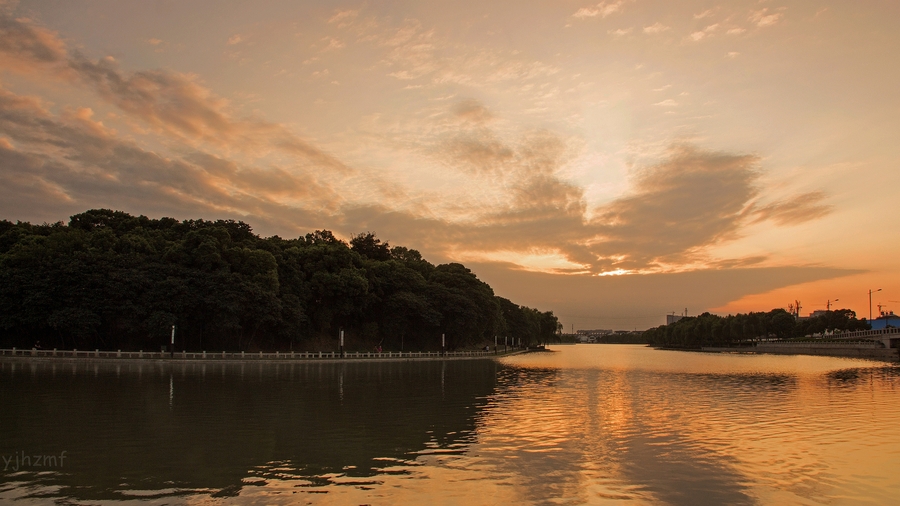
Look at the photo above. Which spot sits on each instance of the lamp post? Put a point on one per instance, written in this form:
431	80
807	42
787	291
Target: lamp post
870	303
828	305
172	351
342	343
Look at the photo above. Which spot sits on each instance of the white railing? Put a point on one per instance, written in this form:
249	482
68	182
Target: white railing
223	355
821	344
871	334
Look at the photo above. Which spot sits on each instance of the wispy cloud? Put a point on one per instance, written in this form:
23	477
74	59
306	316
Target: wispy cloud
656	28
763	17
602	9
702	34
800	209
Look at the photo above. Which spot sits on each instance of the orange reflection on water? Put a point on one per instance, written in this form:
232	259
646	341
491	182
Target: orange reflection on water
608	424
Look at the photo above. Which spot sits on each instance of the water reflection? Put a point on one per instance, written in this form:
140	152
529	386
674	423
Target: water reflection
587	425
634	424
217	428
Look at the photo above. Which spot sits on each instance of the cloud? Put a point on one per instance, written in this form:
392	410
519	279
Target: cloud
676	210
343	17
413	52
602	9
656	28
691	200
620	32
764	18
235	39
70	162
331	44
702	34
472	110
172	103
797	210
25	45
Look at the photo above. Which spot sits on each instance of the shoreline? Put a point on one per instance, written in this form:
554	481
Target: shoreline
70	356
869	353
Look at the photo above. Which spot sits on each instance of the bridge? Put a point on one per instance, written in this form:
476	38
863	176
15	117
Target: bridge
889	337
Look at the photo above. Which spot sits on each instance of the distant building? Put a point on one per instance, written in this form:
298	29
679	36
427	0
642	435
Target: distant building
887	319
817	313
594	332
591	335
672	318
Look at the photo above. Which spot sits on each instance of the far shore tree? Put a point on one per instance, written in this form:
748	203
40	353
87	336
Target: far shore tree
735	330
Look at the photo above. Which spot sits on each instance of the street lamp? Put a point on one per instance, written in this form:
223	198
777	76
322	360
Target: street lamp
870	304
828	305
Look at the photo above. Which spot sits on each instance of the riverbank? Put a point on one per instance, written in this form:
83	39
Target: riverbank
243	357
848	350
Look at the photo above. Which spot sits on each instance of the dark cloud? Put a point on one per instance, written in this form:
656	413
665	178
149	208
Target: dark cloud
472	110
24	44
480	153
691	200
676	210
68	166
168	101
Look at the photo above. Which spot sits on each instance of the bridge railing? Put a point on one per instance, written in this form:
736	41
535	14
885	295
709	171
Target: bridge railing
868	334
822	344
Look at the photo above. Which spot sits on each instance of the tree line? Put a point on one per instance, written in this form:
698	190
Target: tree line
111	280
732	330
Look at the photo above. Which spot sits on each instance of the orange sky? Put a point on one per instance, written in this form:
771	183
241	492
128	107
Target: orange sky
610	161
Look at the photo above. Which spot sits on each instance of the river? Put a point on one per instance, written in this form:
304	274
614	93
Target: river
585	424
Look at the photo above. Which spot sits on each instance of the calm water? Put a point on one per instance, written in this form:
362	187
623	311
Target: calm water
590	424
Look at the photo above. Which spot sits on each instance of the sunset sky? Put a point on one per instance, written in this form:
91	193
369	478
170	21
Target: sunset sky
612	161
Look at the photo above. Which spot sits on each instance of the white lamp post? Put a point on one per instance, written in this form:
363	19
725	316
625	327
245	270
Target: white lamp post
870	304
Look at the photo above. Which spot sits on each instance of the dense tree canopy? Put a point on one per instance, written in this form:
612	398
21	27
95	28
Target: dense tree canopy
110	280
712	330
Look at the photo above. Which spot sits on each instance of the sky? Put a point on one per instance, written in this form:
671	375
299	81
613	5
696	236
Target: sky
613	162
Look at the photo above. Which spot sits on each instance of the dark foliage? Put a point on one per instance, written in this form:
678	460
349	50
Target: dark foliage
110	280
734	330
